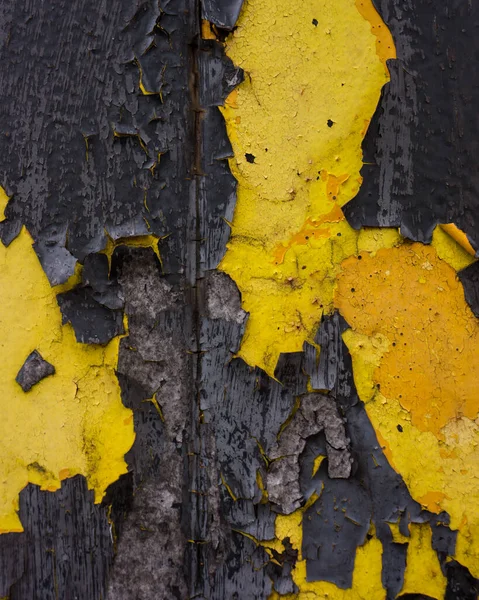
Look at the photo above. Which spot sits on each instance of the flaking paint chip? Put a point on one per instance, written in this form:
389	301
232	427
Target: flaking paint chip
34	369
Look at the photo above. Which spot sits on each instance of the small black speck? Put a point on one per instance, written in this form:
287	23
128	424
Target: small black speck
315	22
266	149
334	197
394	343
353	290
250	157
304	267
360	257
330	123
400	428
339	234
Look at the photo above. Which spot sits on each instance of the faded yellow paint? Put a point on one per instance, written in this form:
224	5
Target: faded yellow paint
301	113
70	423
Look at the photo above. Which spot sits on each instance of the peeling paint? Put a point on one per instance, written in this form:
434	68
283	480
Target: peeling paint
304	169
297	138
72	422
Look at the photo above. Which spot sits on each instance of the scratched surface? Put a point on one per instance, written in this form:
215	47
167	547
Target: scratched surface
240	300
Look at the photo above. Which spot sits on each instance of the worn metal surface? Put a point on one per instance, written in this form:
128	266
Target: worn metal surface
255	394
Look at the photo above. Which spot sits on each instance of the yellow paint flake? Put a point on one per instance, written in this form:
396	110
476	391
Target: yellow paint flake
139	241
3	203
317	463
70	423
454	252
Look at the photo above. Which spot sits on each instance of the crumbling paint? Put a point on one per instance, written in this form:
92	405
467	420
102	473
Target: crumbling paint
72	422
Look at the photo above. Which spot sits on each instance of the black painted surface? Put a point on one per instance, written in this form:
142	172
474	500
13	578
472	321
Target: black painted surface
421	146
67	545
83	151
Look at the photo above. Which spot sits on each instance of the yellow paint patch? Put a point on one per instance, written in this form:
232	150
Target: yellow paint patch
423	573
313	74
70	423
296	125
439	466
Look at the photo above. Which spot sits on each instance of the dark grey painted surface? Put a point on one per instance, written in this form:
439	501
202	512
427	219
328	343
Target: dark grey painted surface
84	152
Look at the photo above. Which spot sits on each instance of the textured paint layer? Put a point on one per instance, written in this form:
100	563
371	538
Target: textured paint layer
70	423
296	127
312	82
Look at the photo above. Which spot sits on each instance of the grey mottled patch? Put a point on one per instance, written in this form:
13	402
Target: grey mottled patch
316	413
153	359
223	299
149	559
34	369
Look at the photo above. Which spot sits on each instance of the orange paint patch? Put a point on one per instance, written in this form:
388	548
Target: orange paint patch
385	48
432	501
415	299
459	236
64	473
385	448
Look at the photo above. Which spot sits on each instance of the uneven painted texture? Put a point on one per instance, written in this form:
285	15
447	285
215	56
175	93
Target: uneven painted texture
70	423
297	141
116	156
312	83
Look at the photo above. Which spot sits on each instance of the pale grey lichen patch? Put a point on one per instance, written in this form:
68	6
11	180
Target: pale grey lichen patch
317	413
223	299
149	560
